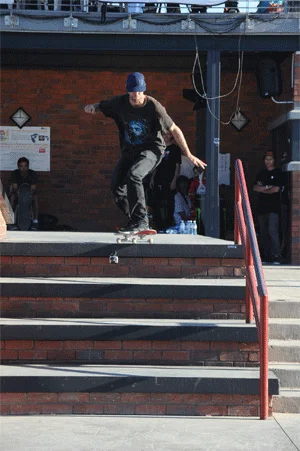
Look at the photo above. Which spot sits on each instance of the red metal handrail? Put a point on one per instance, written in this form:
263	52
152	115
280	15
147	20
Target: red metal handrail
256	290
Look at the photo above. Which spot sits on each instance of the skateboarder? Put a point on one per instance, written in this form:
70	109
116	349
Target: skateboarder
140	120
24	175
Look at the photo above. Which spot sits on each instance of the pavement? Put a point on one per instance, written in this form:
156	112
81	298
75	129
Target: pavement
120	433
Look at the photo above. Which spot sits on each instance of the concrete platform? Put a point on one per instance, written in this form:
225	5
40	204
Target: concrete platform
117	433
102	244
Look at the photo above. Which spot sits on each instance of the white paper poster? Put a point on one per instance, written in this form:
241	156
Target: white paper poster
224	169
30	142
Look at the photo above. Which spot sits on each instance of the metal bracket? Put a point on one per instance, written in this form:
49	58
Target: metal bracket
129	23
70	22
188	24
12	21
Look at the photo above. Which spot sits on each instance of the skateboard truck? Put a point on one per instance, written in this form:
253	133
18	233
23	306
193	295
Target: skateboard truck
113	258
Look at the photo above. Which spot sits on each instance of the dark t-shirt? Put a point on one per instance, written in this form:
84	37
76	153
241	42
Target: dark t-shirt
269	203
140	128
17	178
166	169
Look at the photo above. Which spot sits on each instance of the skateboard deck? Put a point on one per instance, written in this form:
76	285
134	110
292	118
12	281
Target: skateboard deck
145	235
24	216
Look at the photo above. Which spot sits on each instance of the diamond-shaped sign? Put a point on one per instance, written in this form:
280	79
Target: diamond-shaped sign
20	117
239	120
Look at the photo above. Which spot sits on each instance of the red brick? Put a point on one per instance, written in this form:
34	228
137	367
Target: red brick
182	261
61	355
155	261
107	345
57	408
117	355
73	397
26	409
150	410
9	354
205	262
33	355
237	262
212	410
195	345
47	344
224	346
147	355
136	397
196	398
63	270
90	270
5	260
41	398
50	260
83	344
19	344
119	409
105	397
243	411
23	260
136	344
37	270
77	260
95	409
166	345
12	398
165	398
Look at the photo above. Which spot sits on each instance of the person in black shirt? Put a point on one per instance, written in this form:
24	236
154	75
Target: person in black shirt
24	175
140	120
164	184
268	184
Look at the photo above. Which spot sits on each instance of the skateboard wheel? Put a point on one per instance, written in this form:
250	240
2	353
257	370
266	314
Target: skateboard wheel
151	240
134	240
118	240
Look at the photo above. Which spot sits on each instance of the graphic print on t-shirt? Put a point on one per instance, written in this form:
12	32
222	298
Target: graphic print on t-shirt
136	131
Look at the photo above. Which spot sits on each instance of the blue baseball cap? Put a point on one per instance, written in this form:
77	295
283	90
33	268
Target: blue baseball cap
135	82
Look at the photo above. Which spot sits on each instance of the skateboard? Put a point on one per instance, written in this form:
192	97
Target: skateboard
146	235
24	214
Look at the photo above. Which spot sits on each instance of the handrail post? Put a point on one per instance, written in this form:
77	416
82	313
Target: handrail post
237	199
249	268
264	359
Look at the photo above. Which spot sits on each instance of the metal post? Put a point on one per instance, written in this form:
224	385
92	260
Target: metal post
212	216
237	200
264	359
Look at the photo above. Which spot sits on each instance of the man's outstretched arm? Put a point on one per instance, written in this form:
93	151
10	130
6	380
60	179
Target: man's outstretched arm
180	140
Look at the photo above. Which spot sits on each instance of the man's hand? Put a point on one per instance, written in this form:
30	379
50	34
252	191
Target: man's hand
197	162
90	109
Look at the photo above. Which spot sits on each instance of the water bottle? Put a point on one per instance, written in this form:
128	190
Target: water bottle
182	227
189	228
194	228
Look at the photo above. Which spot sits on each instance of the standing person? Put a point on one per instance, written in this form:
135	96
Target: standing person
164	184
268	184
25	175
140	120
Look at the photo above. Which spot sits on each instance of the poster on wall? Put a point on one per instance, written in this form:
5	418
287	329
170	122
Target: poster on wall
30	142
224	169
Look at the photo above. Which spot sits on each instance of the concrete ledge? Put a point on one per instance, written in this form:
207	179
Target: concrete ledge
132	379
124	288
83	244
128	329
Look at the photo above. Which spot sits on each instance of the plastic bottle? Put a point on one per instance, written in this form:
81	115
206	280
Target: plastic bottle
182	227
194	228
189	228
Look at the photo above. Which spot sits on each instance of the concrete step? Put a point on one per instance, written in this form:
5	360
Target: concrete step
284	309
287	402
284	329
284	351
123	297
287	373
87	254
130	341
127	390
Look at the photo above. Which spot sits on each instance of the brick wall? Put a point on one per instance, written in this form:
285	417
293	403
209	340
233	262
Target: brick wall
84	148
295	218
